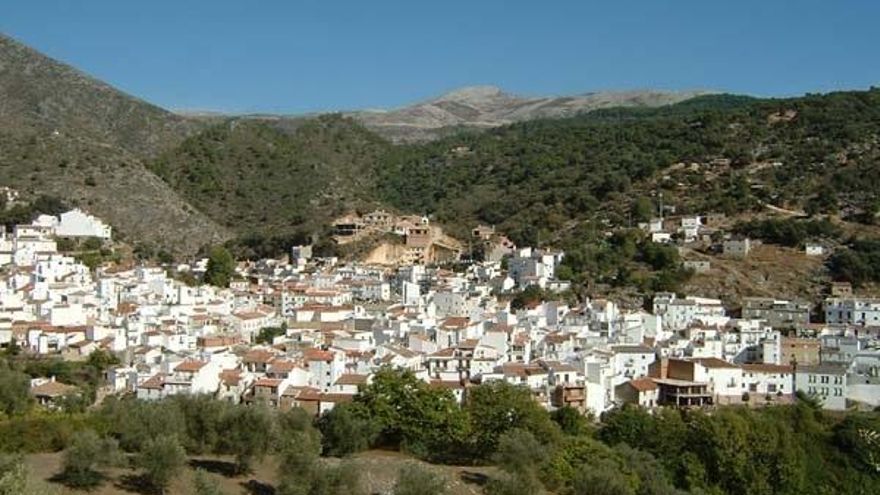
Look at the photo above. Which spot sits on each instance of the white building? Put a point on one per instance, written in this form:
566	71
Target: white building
75	223
825	382
852	311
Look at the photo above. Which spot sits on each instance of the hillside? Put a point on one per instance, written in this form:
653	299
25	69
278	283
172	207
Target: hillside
558	171
110	183
46	95
713	153
482	107
68	135
259	179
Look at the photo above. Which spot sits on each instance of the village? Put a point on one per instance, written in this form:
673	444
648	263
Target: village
308	332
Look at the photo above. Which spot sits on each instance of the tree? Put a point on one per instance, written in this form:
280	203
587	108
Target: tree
15	396
642	209
221	267
630	425
570	421
203	484
14	479
13	475
268	334
248	432
162	459
497	407
518	451
86	452
347	429
303	473
411	415
414	479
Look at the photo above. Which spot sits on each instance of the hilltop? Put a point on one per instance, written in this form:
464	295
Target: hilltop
483	107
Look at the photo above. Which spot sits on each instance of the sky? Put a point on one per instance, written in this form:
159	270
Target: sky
301	55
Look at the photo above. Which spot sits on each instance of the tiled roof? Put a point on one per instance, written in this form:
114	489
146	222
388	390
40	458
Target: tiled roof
643	384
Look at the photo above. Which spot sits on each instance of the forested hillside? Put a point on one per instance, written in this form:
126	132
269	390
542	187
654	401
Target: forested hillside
559	182
259	179
818	153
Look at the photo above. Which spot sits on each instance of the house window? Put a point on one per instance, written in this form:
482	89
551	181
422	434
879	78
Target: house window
753	387
771	388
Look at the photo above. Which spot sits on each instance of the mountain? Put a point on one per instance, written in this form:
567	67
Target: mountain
712	153
41	93
481	107
69	135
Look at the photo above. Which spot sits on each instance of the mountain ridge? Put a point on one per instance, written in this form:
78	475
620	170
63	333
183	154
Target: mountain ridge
68	134
482	107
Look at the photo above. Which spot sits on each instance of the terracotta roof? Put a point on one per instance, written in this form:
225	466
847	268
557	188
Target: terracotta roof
258	356
230	377
352	379
52	389
520	369
282	366
155	382
455	322
317	355
557	338
304	393
643	384
712	362
268	382
190	365
767	368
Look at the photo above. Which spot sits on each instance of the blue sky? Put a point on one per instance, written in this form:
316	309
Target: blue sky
296	56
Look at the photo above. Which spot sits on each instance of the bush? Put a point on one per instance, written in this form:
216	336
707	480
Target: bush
347	429
162	459
87	452
413	479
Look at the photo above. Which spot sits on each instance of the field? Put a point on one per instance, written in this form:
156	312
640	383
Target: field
378	472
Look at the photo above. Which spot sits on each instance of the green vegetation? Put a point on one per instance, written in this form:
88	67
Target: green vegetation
267	183
205	485
414	479
14	478
789	232
626	258
858	264
27	212
221	267
773	450
554	181
162	459
84	455
268	334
